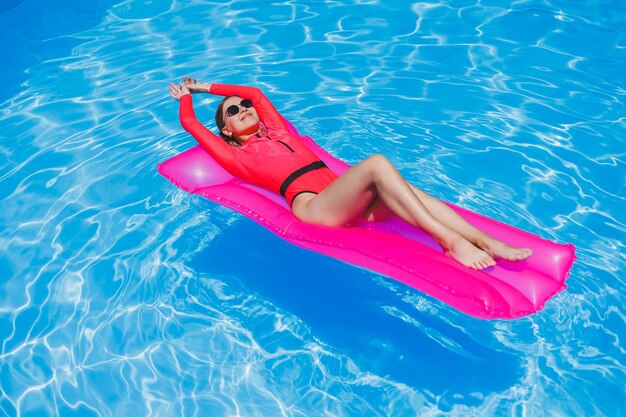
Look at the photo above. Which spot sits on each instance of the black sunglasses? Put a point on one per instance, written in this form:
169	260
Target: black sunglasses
234	109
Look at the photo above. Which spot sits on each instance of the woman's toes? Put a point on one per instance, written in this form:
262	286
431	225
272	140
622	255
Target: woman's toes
486	262
480	263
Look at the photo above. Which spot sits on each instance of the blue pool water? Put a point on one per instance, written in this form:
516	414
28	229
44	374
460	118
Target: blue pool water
121	295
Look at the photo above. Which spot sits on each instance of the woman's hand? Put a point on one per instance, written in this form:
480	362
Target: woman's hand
176	91
195	87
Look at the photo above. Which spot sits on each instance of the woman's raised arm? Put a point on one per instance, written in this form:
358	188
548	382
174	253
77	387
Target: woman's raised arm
215	146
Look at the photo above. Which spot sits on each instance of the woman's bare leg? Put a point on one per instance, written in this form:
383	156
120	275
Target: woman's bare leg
378	211
349	196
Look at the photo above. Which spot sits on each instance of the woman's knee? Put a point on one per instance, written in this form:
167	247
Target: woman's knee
378	159
379	165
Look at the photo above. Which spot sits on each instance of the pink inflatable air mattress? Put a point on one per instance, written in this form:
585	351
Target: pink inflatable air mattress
393	248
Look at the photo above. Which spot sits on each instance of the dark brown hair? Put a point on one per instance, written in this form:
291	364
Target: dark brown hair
219	122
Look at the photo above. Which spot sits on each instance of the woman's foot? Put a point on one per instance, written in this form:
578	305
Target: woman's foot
500	250
469	255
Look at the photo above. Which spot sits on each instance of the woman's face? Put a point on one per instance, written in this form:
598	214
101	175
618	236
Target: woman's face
244	122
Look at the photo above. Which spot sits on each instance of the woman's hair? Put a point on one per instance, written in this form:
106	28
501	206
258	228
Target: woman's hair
219	122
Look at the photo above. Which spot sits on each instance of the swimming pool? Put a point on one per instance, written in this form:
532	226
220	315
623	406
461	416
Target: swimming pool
121	295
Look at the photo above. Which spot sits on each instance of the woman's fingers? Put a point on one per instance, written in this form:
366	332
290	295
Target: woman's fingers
175	91
189	80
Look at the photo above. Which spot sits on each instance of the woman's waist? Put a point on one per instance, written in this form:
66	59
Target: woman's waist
280	178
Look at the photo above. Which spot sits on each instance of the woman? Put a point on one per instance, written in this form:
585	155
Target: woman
256	145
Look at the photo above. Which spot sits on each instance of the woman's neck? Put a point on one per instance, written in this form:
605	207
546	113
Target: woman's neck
244	138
